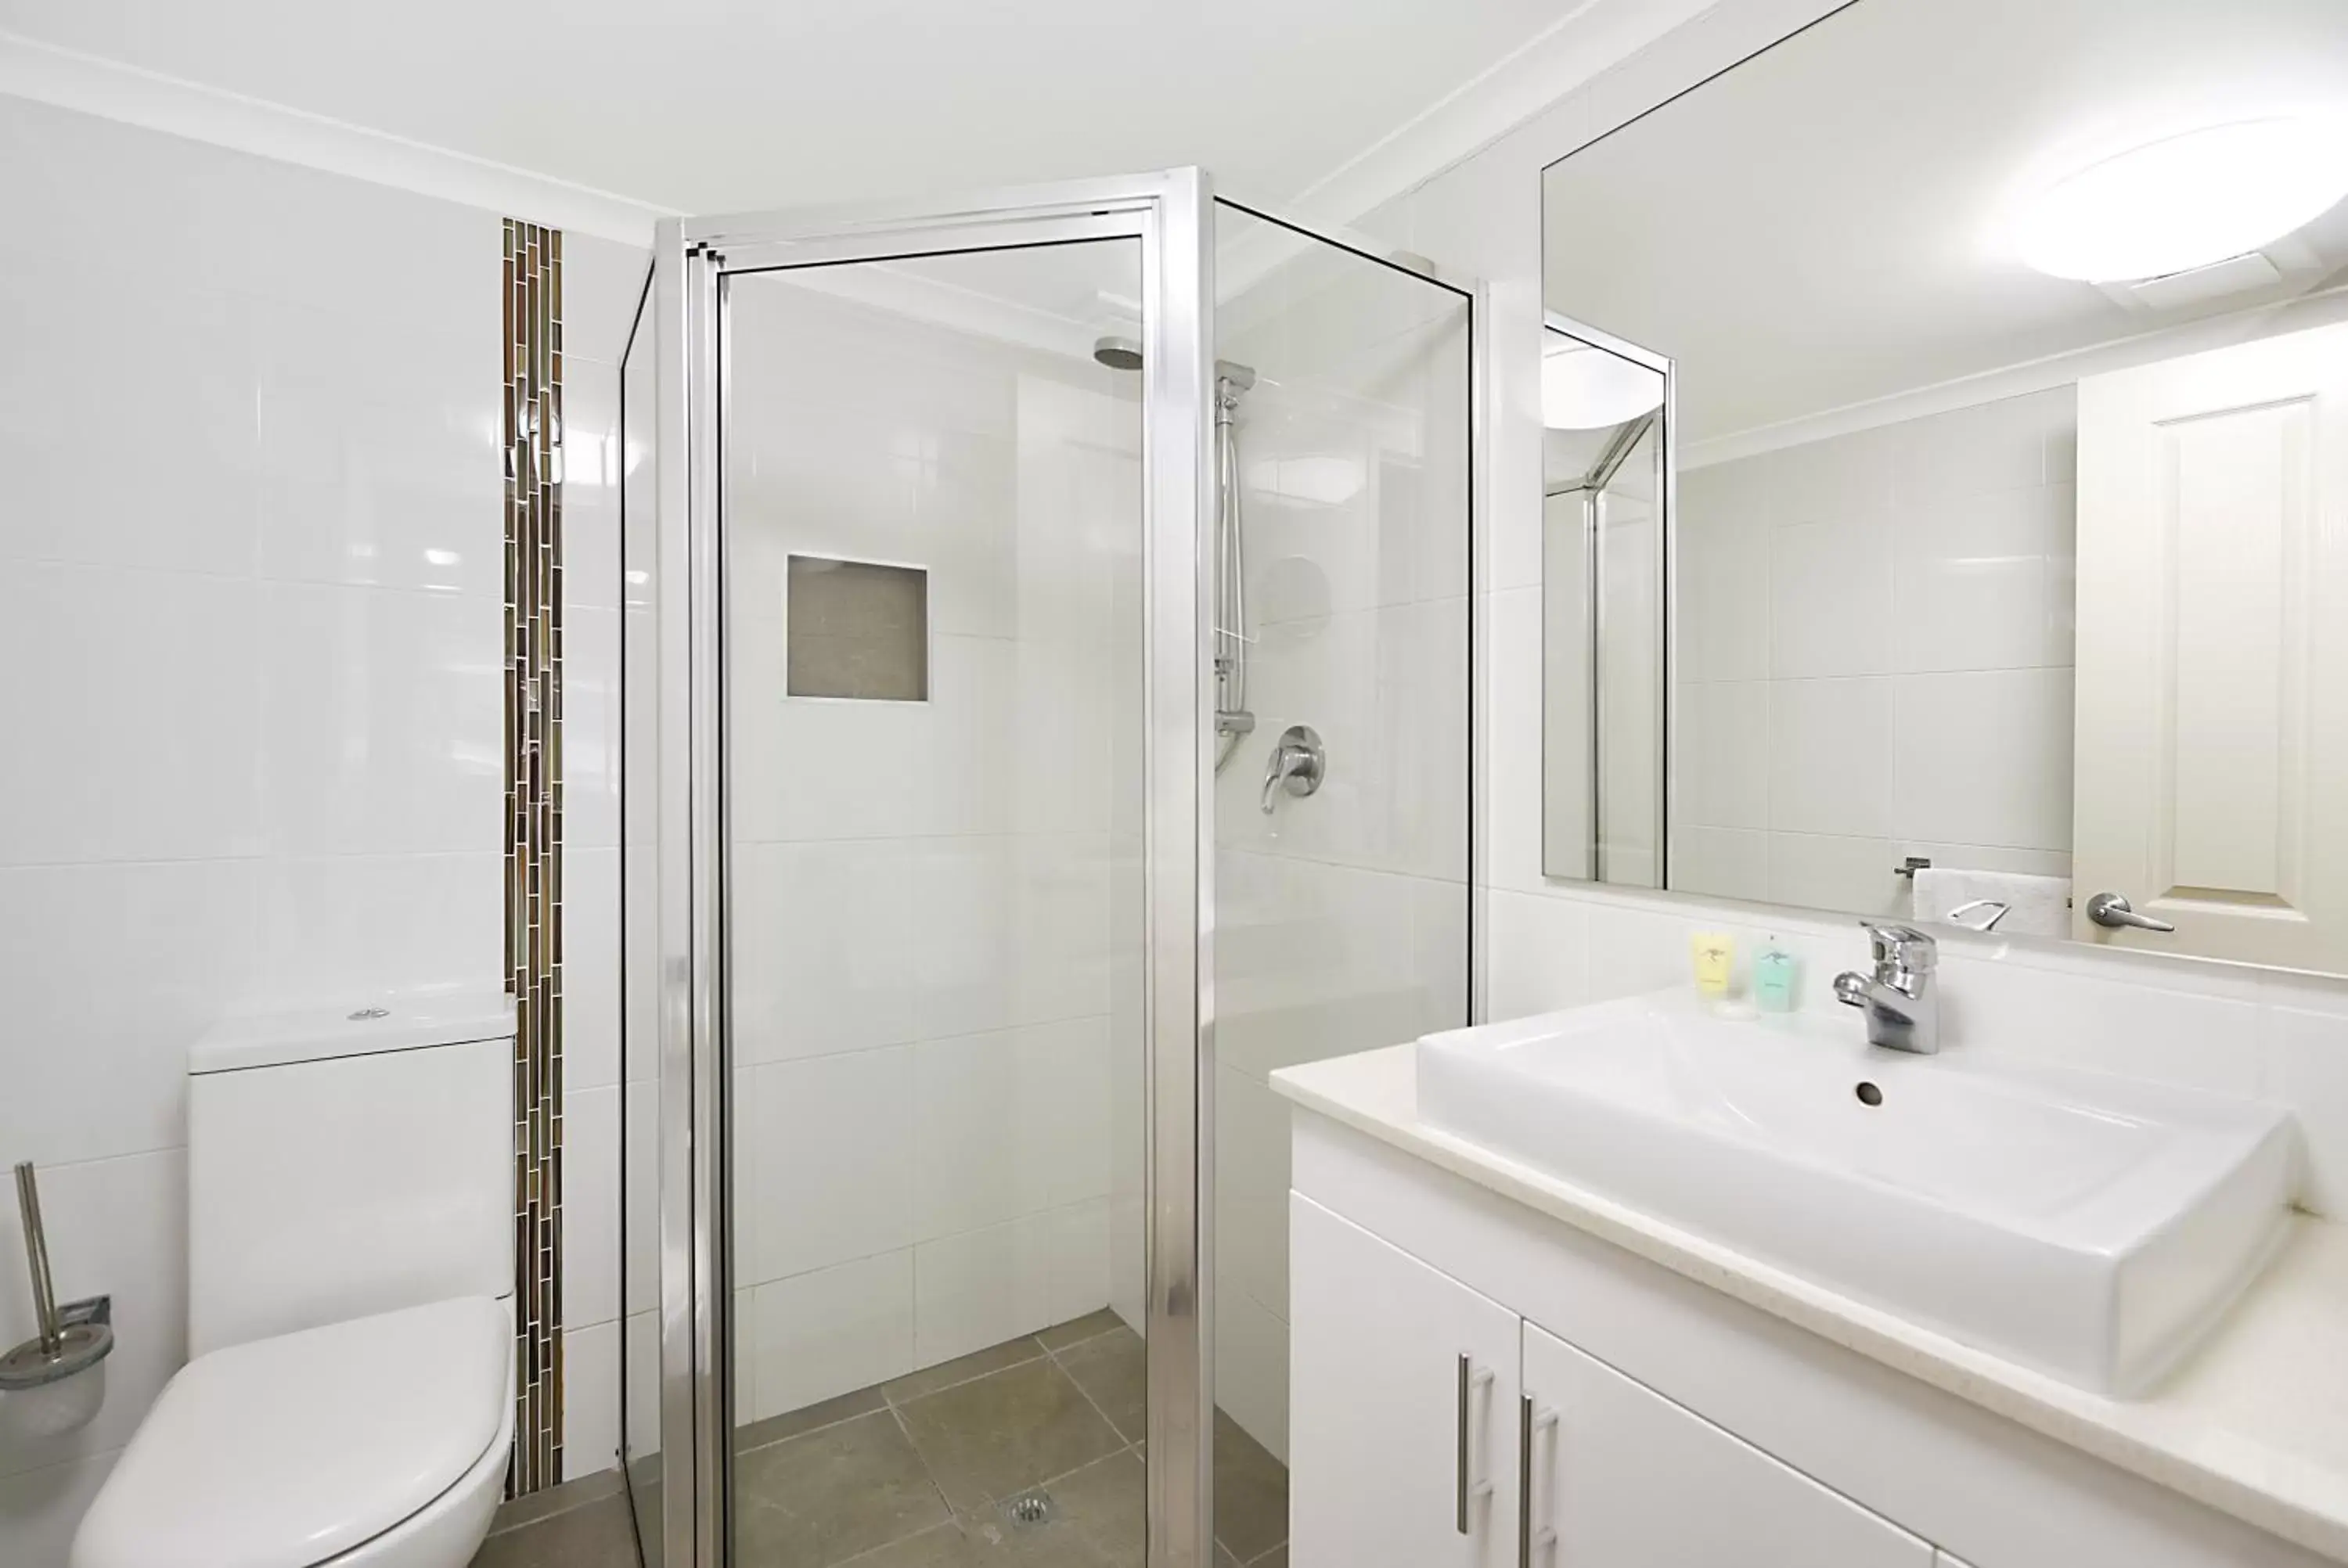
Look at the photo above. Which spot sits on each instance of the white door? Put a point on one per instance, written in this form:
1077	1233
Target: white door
1402	1389
2213	717
1622	1478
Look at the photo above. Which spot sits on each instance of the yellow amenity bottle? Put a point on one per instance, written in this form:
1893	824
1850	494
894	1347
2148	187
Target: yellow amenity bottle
1713	954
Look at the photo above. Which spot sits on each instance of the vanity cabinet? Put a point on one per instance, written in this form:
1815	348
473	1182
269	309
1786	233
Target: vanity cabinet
1403	1386
1642	1419
1433	1425
1624	1477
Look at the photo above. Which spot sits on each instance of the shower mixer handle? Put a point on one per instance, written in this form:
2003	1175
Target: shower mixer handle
1297	764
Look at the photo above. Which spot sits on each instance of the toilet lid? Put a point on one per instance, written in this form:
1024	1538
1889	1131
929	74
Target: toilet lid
279	1454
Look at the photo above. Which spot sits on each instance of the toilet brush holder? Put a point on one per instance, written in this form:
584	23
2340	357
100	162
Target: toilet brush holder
55	1380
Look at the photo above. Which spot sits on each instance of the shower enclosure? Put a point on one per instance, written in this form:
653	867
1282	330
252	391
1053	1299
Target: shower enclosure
975	558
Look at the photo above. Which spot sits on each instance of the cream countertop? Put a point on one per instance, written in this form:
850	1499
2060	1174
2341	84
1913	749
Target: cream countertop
2254	1425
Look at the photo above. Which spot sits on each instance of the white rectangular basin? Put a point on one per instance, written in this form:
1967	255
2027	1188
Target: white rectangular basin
2090	1227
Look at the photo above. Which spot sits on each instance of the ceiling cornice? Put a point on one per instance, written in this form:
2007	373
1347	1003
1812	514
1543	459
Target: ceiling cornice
1593	38
93	84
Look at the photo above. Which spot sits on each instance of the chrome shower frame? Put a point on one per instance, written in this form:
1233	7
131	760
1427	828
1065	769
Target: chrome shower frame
1171	214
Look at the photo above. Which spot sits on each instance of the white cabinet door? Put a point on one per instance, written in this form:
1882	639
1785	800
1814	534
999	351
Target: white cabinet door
1622	1478
2212	714
1403	1390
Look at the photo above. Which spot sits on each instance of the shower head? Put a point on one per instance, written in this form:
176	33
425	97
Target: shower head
1125	353
1118	352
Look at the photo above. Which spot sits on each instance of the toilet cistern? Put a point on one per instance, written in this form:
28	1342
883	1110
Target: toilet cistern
1901	1003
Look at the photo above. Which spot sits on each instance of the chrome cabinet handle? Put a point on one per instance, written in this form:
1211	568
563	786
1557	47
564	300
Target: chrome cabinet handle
2113	910
1524	1481
1462	1488
1527	1423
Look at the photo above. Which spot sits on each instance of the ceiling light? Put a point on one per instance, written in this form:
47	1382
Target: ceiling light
1585	388
2185	200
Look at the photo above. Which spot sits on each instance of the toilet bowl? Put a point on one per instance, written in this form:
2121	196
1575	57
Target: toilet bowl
375	1443
350	1272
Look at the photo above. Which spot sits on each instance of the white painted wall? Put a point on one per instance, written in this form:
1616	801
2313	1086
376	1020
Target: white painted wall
251	590
1556	944
1341	918
1875	658
923	918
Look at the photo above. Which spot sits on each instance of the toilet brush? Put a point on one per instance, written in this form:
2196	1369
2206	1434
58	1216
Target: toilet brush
45	1393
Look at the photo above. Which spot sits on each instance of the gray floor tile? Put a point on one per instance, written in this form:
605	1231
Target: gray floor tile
1099	1520
1251	1493
595	1535
791	1423
1113	1370
817	1499
986	1438
962	1369
1275	1558
1078	1329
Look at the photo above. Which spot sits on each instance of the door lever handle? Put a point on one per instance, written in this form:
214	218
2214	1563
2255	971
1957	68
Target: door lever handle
2111	910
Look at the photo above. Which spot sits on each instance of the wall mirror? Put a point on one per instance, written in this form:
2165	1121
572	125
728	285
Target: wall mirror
1984	557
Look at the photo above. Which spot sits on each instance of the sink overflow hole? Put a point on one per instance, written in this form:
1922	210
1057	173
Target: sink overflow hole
1029	1507
1869	1094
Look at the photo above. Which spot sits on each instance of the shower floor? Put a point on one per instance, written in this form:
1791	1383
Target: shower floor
1027	1452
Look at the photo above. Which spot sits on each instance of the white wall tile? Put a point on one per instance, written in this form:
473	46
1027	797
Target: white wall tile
2001	446
1837	871
112	972
1537	954
590	1206
1830	756
1723	586
590	1399
1831	609
824	944
964	953
1721	862
359	925
591	968
830	1332
1985	757
831	1161
1721	762
1251	1180
1985	581
382	721
981	1288
591	724
133	726
1081	1259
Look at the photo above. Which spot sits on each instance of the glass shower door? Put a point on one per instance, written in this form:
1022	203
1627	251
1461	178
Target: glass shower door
933	503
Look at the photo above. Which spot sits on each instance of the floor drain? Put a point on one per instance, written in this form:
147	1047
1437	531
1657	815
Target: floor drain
1029	1507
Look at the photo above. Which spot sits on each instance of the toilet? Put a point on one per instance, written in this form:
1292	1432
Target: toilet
349	1399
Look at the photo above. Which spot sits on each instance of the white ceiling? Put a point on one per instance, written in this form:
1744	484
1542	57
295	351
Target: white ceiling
1817	229
705	106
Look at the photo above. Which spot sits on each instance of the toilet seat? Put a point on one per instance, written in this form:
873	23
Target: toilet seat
287	1452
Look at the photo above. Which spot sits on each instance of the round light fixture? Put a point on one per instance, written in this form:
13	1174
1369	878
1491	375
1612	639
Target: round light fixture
2185	200
1586	388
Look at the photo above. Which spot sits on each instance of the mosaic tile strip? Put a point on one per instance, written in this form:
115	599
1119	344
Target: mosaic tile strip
533	456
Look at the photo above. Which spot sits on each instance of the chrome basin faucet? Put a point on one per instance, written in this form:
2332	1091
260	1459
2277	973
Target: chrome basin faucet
1903	1005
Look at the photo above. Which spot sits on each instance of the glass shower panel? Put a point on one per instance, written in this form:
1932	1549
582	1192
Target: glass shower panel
932	502
1343	913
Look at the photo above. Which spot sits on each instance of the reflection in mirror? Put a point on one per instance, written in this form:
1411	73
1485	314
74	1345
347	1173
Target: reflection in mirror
2009	349
1604	406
